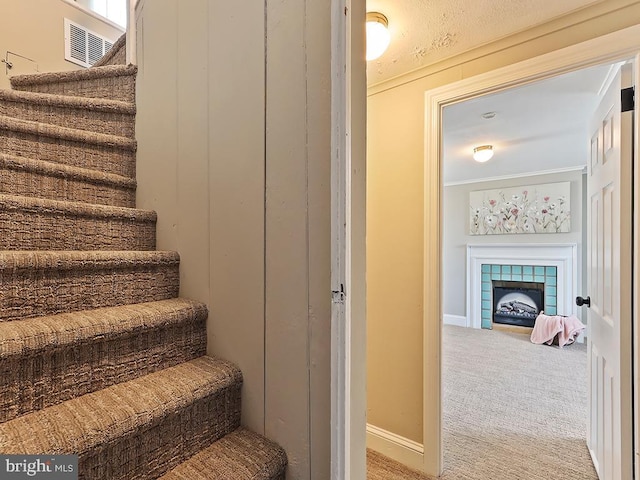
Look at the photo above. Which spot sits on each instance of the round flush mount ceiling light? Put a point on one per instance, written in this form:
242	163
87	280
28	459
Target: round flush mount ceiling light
483	153
378	36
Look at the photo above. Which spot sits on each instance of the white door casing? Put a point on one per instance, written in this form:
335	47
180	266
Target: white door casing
131	31
348	245
636	280
609	230
609	48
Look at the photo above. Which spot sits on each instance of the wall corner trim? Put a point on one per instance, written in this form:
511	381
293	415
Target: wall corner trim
552	171
95	15
396	447
457	320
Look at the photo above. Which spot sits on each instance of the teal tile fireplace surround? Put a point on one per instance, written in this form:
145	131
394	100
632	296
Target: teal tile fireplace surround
518	273
554	264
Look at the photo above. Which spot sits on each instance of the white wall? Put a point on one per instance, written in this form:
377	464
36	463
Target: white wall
114	10
456	232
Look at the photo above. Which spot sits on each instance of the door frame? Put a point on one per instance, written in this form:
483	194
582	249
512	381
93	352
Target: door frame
635	349
612	47
348	241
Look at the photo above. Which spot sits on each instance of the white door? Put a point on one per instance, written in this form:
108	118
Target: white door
609	225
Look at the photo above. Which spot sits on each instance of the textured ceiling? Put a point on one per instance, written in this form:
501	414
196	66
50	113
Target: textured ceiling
426	31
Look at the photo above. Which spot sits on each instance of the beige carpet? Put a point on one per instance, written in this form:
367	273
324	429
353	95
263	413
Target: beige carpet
512	410
380	467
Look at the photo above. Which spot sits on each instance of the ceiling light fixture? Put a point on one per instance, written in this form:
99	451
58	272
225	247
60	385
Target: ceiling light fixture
378	36
483	153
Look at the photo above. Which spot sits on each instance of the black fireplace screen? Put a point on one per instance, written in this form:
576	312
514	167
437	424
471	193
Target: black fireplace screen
517	303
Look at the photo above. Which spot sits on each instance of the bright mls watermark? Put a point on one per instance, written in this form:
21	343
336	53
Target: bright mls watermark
45	467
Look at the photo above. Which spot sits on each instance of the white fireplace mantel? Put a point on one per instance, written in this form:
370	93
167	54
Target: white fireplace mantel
563	256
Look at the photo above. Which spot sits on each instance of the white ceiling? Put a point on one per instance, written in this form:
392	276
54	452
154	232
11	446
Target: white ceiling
426	31
537	127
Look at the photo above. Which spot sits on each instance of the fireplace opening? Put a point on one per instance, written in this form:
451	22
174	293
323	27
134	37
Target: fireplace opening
517	303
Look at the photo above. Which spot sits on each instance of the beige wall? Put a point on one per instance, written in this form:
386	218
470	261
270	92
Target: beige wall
234	131
455	235
395	156
35	29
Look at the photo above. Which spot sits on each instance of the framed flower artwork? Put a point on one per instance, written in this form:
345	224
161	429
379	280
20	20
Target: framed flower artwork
541	208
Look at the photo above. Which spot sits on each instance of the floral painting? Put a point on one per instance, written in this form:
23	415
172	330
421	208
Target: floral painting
529	209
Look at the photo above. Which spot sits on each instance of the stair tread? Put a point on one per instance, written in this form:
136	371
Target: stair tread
239	455
95	419
66	171
68	101
64	133
81	259
16	202
29	336
74	75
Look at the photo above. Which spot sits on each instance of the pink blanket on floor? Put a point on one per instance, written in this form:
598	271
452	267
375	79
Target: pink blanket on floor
548	326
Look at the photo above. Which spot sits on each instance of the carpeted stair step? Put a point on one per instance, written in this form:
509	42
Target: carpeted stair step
28	223
34	284
47	360
68	146
93	114
36	178
240	455
114	82
138	429
117	54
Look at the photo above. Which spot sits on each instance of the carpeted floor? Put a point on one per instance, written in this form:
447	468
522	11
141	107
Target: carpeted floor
512	410
380	467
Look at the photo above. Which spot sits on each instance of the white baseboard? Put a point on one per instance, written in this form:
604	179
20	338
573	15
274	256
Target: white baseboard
397	448
582	338
457	320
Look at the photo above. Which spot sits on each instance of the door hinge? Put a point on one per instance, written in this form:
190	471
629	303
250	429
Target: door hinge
337	296
627	95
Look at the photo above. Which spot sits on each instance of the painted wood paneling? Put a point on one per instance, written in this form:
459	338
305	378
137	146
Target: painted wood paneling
236	90
287	235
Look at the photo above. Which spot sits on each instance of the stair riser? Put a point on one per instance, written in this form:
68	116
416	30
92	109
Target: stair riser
27	183
164	445
36	292
119	57
53	230
120	124
96	157
113	88
45	378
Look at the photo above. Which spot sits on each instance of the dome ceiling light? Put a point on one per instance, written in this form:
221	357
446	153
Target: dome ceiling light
378	36
483	153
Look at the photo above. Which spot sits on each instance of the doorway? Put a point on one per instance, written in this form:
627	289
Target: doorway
504	397
611	48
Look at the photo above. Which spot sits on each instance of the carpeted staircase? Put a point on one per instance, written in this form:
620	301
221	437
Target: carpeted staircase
98	355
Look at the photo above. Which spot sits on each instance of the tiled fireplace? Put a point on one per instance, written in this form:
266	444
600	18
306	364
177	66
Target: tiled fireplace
551	269
517	276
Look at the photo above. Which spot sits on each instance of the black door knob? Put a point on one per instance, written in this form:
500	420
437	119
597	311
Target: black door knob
583	301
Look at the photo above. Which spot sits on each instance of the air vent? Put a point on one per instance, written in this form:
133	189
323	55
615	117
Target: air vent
82	46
